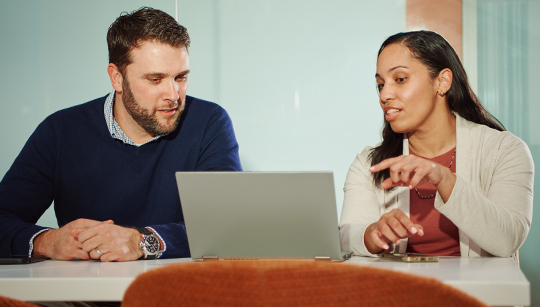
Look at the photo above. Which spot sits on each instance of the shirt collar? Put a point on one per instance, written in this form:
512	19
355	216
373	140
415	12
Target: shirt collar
114	129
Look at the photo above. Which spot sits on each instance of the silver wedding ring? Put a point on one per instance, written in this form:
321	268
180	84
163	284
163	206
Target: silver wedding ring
98	252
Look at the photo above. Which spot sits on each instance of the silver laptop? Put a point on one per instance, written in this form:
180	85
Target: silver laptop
255	215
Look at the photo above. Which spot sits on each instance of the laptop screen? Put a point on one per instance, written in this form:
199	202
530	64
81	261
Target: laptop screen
245	215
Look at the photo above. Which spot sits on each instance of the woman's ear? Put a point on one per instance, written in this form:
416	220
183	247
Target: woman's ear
444	81
116	77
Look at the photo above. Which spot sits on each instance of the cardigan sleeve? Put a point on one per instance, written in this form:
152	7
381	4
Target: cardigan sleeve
495	209
361	205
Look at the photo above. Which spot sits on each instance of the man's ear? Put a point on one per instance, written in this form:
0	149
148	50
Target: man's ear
116	77
445	80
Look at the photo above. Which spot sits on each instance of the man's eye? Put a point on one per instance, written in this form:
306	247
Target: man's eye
181	78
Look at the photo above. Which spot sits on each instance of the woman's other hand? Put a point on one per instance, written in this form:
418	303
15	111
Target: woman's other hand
391	227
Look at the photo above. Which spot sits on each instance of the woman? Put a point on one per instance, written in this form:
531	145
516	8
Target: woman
447	179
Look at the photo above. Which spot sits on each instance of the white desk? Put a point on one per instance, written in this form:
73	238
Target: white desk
496	281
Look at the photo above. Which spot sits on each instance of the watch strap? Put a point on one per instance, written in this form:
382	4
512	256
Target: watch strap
144	231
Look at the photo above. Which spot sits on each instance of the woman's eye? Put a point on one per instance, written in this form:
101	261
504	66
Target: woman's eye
380	86
400	80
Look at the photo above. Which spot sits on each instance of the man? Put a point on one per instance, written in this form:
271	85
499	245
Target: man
109	164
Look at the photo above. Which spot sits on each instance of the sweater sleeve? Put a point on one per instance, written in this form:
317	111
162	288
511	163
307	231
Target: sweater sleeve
219	148
218	152
497	214
26	191
361	207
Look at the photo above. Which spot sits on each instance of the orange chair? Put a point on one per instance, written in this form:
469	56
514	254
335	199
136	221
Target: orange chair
10	302
287	283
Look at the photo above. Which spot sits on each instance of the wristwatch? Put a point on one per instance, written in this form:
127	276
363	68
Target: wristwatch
149	244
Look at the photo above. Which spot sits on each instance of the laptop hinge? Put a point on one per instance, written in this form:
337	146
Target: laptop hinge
322	258
209	258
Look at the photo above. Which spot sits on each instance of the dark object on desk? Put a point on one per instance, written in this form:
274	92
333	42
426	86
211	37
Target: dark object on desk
22	259
410	257
284	283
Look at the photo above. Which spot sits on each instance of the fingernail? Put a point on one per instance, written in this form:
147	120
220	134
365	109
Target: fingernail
413	230
421	232
385	246
410	187
398	242
372	168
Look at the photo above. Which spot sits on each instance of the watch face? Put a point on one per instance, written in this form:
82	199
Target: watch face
151	244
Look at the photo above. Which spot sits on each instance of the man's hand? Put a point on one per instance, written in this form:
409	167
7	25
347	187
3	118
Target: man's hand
391	227
115	243
59	244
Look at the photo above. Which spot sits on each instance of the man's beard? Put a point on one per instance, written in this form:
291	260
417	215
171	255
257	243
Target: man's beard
147	119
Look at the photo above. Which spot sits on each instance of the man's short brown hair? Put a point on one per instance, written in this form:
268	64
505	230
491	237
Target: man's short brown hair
145	24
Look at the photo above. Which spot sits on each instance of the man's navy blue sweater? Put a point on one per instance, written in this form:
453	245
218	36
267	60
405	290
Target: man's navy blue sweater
73	160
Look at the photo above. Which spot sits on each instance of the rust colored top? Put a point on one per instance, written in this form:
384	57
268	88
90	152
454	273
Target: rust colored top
441	236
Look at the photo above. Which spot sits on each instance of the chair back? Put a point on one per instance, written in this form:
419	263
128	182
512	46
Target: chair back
287	283
11	302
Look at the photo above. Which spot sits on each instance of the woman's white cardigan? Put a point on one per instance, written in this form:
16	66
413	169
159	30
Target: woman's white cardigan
491	203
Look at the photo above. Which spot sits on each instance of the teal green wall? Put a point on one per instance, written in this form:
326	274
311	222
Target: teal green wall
508	44
530	262
508	63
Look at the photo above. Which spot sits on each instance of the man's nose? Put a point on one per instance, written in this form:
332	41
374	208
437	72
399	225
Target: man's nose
171	91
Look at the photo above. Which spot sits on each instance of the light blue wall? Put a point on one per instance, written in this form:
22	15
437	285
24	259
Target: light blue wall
297	77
